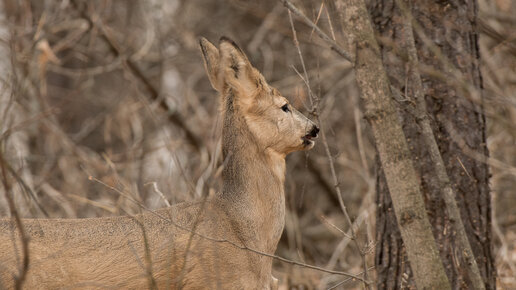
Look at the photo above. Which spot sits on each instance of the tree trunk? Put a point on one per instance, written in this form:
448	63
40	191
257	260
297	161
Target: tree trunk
392	147
455	117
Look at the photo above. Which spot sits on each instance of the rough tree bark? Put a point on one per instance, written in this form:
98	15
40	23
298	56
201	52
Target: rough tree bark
380	110
392	148
454	115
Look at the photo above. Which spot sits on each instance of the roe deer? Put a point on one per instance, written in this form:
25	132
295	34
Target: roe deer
214	243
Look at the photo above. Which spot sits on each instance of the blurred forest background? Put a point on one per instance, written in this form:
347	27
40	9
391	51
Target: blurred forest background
105	109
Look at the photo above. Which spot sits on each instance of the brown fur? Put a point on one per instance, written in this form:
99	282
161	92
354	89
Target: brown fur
161	248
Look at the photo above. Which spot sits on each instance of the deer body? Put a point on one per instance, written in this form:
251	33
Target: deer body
213	243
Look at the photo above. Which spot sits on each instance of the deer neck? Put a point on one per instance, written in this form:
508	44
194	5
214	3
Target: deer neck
253	185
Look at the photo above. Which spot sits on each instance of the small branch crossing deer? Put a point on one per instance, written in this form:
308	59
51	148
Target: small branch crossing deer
209	244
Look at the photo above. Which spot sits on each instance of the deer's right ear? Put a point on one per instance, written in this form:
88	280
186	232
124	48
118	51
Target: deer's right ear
210	55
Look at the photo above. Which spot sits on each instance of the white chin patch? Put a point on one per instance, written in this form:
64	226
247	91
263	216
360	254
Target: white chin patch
308	144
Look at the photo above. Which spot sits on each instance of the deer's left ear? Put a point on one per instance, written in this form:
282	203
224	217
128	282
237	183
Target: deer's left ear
210	56
238	72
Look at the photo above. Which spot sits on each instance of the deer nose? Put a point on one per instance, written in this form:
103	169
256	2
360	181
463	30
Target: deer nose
314	131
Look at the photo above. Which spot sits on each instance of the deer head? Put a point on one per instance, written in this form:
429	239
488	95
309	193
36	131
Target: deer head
274	123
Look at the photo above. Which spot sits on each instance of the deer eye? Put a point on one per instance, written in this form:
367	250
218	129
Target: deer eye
285	108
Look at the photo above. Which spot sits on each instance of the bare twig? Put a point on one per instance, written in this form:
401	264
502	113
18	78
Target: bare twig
321	179
233	243
333	45
131	67
354	276
190	240
20	278
126	195
344	281
493	162
329	23
329	223
360	141
26	188
156	189
362	217
317	19
263	29
148	258
314	101
97	204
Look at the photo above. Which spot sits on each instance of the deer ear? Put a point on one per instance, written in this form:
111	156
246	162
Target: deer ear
210	55
238	72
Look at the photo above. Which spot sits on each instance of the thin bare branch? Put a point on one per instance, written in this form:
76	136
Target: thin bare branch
24	267
333	45
131	67
314	100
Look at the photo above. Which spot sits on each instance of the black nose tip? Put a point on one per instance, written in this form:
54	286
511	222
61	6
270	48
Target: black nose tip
314	131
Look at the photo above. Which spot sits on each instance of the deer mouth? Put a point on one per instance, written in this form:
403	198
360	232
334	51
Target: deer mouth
307	140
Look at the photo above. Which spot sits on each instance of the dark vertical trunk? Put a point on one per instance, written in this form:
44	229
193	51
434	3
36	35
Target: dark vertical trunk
455	116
